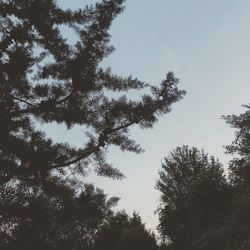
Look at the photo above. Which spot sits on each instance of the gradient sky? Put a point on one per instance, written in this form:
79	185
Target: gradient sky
207	45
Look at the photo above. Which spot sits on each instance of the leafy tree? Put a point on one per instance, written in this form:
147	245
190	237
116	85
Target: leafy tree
199	209
233	232
193	194
43	79
124	232
109	236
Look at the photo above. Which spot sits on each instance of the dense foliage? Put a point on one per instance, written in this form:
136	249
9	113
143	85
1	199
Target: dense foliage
240	147
124	232
45	78
199	208
193	192
44	203
49	220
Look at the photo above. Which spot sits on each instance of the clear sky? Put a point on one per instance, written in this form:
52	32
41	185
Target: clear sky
207	45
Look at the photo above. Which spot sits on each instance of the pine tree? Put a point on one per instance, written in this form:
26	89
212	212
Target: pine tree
44	79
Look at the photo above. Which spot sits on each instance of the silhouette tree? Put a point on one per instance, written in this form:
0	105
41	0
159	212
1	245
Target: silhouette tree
66	220
193	194
199	209
124	232
44	78
240	165
235	231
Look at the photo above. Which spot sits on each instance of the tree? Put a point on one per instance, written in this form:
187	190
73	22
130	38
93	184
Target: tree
233	232
193	197
124	232
199	208
44	79
37	220
236	231
240	165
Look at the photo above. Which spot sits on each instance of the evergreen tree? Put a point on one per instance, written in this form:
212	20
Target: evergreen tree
44	79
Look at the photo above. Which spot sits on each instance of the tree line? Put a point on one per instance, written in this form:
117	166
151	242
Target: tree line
44	202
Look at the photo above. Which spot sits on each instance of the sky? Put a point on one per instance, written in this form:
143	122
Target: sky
207	45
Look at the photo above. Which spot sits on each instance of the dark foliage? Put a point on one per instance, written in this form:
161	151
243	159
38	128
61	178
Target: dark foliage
233	233
240	165
237	232
44	79
63	220
199	209
124	232
194	198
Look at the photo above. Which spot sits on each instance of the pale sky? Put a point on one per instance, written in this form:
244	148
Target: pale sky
207	45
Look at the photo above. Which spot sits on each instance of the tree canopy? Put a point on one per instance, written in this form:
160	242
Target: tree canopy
193	194
124	232
46	78
200	208
240	148
52	220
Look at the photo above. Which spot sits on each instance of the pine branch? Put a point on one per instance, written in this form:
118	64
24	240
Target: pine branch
22	100
86	153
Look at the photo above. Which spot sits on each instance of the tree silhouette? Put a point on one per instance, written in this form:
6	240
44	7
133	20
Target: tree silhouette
240	165
43	79
235	231
199	208
193	197
65	220
124	232
232	232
